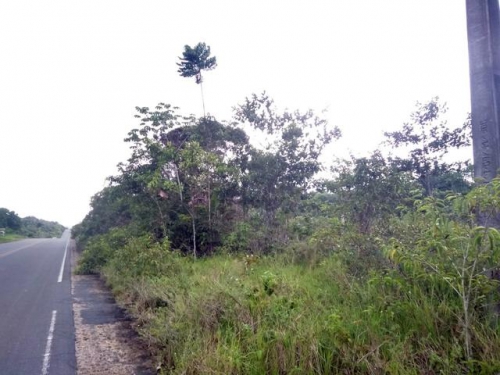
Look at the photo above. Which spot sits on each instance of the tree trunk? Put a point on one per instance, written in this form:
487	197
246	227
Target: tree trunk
194	236
162	218
209	207
202	99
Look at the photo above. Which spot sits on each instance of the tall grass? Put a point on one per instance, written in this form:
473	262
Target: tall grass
245	315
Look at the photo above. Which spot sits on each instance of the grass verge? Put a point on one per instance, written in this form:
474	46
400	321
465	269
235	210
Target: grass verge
246	315
10	238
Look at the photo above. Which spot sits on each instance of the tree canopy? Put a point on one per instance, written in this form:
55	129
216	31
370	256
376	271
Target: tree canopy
195	60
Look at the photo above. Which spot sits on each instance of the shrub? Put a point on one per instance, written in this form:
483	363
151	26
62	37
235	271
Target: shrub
100	249
141	257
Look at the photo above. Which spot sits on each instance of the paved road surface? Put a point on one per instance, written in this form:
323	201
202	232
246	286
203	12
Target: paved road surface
36	320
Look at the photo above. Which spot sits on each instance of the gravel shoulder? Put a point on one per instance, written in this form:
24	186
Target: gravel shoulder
105	341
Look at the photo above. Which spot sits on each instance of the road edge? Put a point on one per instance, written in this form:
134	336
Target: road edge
105	342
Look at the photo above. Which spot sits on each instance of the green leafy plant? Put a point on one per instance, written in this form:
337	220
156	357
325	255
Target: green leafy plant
453	254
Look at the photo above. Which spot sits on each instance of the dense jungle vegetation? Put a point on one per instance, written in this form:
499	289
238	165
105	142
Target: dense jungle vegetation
237	259
17	227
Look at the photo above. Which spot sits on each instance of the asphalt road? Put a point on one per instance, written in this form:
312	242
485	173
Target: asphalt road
37	334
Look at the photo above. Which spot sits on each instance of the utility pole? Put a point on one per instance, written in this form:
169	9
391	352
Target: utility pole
483	31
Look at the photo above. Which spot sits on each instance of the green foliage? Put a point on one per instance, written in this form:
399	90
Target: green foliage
9	219
100	249
110	208
28	226
451	257
277	177
194	181
38	228
222	315
359	186
237	260
240	238
327	304
483	203
429	140
9	237
184	170
195	60
141	258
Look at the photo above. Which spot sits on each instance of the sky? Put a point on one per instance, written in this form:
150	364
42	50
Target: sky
72	72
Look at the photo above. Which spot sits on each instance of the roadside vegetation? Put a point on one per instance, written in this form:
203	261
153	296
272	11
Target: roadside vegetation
9	237
236	259
17	228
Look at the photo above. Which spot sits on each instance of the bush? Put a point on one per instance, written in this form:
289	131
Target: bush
142	257
100	249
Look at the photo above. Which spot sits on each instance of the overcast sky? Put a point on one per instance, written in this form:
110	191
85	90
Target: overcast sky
71	73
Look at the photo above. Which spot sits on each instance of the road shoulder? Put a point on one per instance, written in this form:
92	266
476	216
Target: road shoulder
105	341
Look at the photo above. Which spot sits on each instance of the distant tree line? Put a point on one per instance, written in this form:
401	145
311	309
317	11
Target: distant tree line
29	226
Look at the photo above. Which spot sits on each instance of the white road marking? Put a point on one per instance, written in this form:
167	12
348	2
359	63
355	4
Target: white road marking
63	261
48	347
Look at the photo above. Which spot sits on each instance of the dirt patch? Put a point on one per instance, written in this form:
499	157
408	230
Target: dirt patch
105	341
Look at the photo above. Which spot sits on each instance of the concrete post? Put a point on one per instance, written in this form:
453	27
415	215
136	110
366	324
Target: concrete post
483	30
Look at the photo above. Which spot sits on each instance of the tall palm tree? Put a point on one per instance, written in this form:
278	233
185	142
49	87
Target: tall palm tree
193	61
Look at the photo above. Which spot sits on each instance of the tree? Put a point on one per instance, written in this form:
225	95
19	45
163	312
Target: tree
359	185
429	140
189	170
112	207
277	177
194	61
9	219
